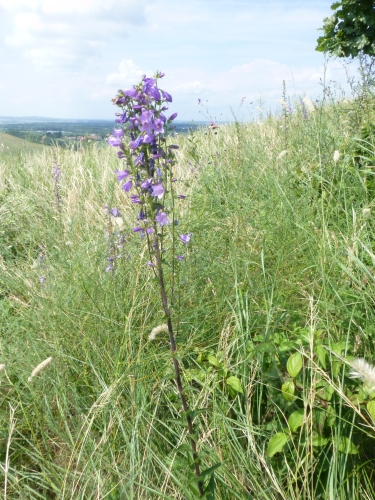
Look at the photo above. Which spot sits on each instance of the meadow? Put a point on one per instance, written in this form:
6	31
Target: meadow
277	299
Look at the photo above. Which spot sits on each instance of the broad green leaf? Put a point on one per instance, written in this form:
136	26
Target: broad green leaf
339	347
331	416
234	383
346	446
296	420
212	360
325	391
321	354
371	409
336	367
319	440
287	390
294	364
276	443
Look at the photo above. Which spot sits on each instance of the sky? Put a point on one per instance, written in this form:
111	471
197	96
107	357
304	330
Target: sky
67	59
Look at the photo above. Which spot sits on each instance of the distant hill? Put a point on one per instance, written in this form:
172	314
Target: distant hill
10	145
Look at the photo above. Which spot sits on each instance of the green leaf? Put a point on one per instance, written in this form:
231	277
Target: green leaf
212	360
346	446
234	383
319	440
339	347
294	364
321	354
276	443
371	409
287	390
331	416
296	420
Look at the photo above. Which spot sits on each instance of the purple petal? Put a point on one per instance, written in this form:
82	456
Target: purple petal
151	264
162	219
127	186
181	196
131	92
185	238
166	96
118	132
172	117
114	142
115	212
180	257
157	190
146	184
149	230
136	143
148	138
122	174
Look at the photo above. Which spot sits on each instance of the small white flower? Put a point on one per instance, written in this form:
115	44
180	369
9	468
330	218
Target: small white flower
158	329
283	153
39	368
309	105
365	371
366	212
283	103
336	156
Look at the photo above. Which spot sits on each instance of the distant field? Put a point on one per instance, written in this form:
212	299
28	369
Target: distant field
10	145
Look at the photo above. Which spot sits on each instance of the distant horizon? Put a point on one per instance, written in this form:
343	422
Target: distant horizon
37	119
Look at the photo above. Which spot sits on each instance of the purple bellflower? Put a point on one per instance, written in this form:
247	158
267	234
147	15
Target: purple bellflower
162	219
185	238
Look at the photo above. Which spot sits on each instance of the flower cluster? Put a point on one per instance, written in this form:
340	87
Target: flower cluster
147	174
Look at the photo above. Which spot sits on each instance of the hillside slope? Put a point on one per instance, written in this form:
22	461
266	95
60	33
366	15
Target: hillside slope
13	145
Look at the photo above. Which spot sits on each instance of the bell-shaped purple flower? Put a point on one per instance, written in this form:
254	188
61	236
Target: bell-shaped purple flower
157	190
172	117
162	219
122	174
185	238
118	132
114	142
135	199
148	138
127	186
166	96
146	184
158	126
136	143
131	93
115	212
122	118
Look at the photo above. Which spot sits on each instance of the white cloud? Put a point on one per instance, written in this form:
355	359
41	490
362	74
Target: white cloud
70	32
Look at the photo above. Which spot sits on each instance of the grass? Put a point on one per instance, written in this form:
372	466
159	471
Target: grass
10	146
281	263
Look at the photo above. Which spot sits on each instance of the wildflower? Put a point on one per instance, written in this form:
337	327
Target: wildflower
114	142
180	257
172	117
127	186
185	238
151	264
181	196
118	132
336	156
362	369
122	174
162	219
158	329
366	212
309	105
115	212
42	279
283	153
166	96
158	126
40	367
146	184
157	190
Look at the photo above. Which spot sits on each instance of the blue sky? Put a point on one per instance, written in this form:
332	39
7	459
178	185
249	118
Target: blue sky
67	59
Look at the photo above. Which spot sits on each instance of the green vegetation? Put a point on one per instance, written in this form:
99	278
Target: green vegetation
278	298
350	31
10	145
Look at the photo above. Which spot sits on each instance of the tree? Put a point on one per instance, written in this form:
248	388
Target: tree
350	31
